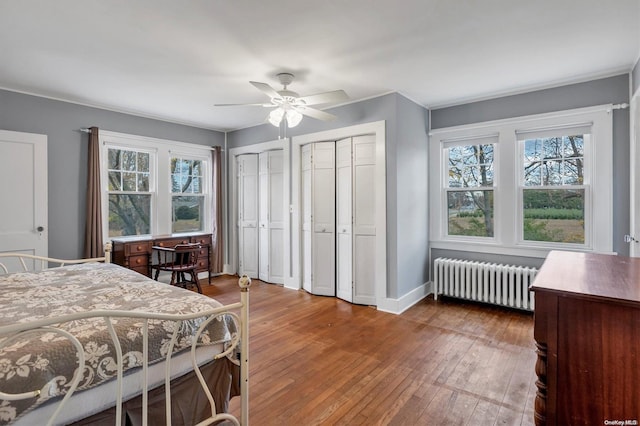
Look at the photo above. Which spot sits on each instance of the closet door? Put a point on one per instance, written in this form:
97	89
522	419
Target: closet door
248	214
364	215
318	218
344	245
306	217
271	227
263	216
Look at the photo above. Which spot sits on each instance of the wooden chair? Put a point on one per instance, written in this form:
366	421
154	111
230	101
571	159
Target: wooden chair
181	261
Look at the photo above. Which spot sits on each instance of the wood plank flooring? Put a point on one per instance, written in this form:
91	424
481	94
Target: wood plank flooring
321	361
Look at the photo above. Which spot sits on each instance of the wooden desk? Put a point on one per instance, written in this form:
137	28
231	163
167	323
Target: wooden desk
587	333
135	253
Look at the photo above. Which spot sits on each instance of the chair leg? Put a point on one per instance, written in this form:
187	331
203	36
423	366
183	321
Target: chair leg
194	276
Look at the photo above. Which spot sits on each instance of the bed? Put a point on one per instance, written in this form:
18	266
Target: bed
90	342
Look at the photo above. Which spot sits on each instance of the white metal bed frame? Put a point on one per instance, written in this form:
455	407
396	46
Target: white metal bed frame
17	331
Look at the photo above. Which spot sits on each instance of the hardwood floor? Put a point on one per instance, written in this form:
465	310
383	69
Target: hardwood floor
321	361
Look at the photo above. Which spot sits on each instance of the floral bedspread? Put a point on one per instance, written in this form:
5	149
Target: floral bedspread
47	361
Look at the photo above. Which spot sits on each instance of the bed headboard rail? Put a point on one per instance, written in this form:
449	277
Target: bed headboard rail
42	262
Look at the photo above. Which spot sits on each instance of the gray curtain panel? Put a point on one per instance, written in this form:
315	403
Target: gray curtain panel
216	241
93	244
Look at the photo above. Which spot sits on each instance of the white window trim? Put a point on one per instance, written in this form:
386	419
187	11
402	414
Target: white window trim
507	183
160	183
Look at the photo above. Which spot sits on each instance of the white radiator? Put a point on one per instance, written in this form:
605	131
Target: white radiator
504	285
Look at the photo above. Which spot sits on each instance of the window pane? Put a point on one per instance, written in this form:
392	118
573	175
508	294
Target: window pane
143	181
187	213
470	166
114	159
115	183
129	160
555	215
143	162
470	213
574	146
128	181
129	214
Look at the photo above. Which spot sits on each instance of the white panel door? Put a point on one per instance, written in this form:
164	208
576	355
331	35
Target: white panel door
344	242
276	217
323	219
306	217
263	216
23	191
248	214
271	217
364	216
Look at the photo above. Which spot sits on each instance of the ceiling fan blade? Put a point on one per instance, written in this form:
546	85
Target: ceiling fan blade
264	87
326	97
262	105
315	113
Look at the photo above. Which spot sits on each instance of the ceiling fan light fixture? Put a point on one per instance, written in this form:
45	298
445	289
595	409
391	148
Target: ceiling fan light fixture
293	118
275	116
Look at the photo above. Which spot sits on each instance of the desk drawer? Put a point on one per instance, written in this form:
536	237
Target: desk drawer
171	242
133	248
138	261
201	239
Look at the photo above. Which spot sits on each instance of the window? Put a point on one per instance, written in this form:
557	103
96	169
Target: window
154	187
524	186
129	193
470	190
553	192
187	197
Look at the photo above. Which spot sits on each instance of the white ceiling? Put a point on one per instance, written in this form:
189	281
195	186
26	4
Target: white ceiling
174	60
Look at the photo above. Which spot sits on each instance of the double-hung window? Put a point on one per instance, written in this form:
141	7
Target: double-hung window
525	185
469	188
154	186
129	191
554	193
187	195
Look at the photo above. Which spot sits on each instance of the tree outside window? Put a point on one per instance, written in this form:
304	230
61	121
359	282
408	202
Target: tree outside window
129	196
470	198
187	200
553	196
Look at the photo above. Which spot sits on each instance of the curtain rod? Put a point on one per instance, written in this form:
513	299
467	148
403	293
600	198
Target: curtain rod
88	130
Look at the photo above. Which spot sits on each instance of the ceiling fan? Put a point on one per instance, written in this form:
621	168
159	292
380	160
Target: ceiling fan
290	106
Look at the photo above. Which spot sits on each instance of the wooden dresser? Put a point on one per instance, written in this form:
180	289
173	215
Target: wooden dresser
135	253
587	333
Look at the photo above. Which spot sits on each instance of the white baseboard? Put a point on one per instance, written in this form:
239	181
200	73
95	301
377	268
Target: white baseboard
291	284
227	269
398	306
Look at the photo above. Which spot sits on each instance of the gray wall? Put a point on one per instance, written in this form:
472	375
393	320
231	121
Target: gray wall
411	196
406	151
67	154
612	90
635	78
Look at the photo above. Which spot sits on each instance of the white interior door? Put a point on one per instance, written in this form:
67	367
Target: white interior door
306	211
344	241
23	191
275	217
271	215
364	219
263	216
248	214
323	219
